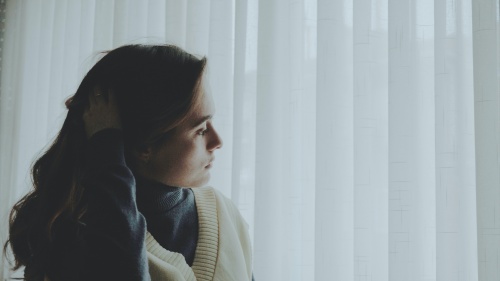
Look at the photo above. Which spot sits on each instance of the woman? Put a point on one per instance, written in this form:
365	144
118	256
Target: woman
136	146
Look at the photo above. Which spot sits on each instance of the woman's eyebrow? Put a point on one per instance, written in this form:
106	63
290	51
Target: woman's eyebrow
201	120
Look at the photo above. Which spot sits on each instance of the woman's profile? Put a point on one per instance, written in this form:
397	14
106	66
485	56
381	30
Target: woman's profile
118	195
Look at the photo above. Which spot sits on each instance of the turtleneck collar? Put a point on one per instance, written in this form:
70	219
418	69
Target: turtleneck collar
155	197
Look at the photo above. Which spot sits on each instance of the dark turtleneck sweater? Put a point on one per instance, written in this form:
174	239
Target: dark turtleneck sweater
170	214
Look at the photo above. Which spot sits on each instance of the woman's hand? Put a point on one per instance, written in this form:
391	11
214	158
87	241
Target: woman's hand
102	112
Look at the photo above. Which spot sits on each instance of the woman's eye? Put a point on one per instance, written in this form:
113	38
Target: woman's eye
202	132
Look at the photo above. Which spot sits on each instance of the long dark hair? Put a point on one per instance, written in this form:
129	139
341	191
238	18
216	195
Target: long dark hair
156	88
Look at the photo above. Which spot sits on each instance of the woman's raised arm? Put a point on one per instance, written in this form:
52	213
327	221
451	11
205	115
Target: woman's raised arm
110	243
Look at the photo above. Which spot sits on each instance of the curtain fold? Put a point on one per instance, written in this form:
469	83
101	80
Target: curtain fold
361	138
457	249
334	200
412	180
486	64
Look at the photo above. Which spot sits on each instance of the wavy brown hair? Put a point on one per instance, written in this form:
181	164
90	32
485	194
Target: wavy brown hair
156	88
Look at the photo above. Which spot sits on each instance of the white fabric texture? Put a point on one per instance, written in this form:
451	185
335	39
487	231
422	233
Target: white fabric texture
361	138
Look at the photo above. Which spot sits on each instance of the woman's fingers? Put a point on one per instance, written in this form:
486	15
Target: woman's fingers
94	96
101	113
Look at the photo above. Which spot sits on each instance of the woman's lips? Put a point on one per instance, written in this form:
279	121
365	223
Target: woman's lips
210	163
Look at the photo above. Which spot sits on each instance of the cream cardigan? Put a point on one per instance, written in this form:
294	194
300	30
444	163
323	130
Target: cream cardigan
223	251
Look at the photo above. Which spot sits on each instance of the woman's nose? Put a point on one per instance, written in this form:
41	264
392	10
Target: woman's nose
215	141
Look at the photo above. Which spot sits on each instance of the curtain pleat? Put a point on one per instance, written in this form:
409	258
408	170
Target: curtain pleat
221	83
456	223
412	186
486	63
334	146
272	125
370	128
245	85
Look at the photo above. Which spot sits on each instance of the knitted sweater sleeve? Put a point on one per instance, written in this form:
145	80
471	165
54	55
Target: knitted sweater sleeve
113	236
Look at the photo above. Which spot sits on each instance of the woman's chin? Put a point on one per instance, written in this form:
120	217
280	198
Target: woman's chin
200	182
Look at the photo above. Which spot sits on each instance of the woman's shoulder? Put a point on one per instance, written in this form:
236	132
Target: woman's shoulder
225	206
208	193
235	247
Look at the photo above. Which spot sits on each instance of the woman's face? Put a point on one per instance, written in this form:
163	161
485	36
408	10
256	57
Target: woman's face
186	157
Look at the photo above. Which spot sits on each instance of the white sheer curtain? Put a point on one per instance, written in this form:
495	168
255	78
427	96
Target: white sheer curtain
361	138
